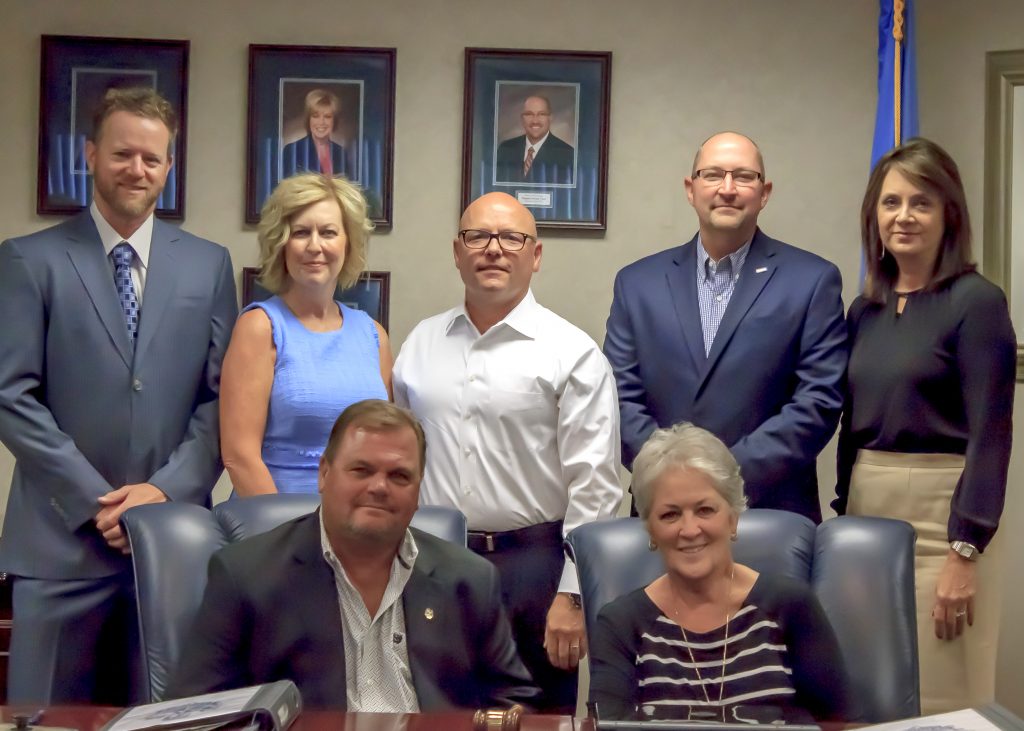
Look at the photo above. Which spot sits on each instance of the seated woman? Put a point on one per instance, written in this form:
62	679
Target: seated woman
299	358
710	639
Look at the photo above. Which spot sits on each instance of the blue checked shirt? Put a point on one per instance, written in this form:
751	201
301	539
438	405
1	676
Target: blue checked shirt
715	285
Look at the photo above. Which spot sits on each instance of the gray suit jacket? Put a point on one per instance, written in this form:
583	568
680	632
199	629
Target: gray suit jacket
81	410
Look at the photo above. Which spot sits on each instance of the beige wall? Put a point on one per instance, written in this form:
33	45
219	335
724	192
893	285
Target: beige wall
797	75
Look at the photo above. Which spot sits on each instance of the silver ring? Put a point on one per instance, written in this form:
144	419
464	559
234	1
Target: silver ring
962	613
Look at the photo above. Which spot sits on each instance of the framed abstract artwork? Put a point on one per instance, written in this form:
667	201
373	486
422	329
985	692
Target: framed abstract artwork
75	73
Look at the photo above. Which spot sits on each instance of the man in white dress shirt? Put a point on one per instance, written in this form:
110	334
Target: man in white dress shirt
521	418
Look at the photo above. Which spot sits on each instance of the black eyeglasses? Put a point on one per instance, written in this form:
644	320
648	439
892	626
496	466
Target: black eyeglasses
740	176
474	238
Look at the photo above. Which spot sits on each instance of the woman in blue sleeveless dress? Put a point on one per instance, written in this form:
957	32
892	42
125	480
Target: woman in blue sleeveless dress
299	358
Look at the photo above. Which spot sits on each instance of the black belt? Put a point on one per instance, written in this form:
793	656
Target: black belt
531	535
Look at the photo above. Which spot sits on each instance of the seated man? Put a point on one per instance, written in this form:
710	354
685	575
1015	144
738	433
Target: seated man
362	612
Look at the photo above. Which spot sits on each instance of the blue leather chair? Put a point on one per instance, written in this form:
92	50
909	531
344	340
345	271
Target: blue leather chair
861	570
172	544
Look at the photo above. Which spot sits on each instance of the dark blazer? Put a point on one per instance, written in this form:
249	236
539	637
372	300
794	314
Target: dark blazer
555	163
82	411
771	387
271	612
301	156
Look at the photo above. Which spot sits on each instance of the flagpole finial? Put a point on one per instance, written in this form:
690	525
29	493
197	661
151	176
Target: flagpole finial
898	6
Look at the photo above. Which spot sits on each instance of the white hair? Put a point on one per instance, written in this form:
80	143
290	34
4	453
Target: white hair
689	447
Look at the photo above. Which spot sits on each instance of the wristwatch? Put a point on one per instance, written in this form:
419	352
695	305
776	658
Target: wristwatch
576	599
965	549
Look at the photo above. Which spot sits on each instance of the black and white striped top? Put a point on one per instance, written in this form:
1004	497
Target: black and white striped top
781	654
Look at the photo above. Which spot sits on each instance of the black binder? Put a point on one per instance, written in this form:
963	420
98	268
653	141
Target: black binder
267	707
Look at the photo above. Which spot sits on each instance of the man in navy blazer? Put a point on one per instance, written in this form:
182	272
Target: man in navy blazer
735	332
108	399
361	611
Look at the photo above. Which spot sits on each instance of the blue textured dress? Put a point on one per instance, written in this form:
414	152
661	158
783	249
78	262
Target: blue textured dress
316	375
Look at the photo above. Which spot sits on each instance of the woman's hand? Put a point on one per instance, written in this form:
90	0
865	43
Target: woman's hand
954	596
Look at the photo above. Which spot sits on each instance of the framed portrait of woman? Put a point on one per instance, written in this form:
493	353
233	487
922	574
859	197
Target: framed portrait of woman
321	109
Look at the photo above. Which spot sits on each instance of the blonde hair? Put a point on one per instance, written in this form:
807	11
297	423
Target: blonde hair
322	99
295	194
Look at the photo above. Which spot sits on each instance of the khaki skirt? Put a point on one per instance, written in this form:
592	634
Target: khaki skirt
918	488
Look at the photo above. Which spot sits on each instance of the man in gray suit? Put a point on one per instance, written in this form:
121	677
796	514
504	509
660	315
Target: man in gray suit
114	328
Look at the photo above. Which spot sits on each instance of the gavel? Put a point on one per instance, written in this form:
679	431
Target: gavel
497	719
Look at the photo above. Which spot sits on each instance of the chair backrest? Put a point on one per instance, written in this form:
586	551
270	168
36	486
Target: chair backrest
775	542
243	517
861	570
172	544
864	578
601	549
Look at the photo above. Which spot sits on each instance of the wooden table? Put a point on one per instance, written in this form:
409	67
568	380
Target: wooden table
92	718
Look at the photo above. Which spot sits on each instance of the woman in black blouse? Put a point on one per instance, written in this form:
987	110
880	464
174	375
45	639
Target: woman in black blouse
926	428
710	639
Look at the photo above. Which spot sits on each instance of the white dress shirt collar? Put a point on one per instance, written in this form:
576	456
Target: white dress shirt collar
535	145
523	318
140	240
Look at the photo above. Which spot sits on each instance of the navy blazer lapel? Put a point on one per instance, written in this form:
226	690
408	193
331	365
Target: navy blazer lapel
161	282
319	612
757	270
682	286
93	267
423	601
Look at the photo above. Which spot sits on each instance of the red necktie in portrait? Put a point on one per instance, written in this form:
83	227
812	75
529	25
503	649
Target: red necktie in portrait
528	162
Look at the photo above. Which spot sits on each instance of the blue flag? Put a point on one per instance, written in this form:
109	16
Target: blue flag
897	82
897	100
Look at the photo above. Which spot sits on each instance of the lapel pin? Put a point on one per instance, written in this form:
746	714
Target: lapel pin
428	613
760	269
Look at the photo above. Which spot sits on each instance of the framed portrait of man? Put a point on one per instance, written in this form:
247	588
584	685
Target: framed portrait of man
321	109
75	73
536	127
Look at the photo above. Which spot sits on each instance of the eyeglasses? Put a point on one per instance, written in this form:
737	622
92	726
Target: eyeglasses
740	176
474	238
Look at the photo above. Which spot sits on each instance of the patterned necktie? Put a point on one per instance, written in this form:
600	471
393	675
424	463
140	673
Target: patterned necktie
123	254
528	162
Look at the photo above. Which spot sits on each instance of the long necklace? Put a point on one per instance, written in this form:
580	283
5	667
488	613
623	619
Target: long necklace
725	647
